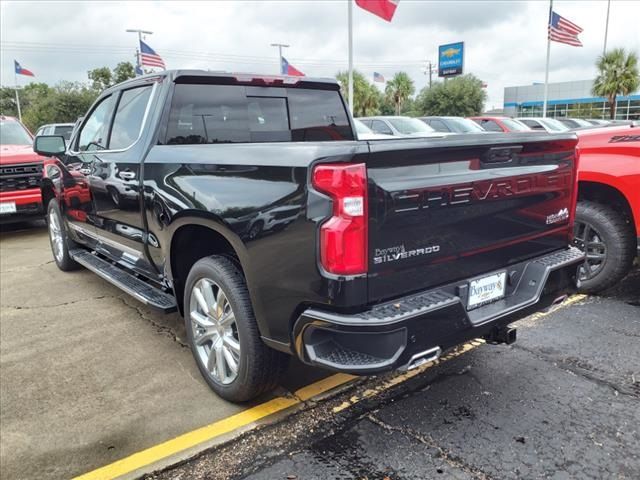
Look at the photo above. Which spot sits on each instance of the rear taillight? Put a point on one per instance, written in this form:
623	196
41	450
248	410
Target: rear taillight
343	237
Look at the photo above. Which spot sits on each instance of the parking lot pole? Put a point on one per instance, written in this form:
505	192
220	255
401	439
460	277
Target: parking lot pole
18	98
350	56
546	71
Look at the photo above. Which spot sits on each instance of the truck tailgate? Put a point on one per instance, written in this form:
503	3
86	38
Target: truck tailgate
446	209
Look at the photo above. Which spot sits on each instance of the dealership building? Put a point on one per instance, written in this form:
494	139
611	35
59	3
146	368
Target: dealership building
567	99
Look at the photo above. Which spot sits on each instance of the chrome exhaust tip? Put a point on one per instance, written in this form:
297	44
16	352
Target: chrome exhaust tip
421	358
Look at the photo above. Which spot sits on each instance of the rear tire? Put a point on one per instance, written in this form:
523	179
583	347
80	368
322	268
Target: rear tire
220	323
609	242
59	239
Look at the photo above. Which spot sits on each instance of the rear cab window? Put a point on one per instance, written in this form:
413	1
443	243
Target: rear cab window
208	113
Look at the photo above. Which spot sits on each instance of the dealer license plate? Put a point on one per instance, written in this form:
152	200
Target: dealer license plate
7	207
486	289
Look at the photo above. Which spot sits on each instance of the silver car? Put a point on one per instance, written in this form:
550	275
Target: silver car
64	129
546	124
406	127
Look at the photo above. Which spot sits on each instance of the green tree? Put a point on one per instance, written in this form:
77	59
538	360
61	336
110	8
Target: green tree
366	97
461	96
101	78
399	89
104	77
123	71
617	75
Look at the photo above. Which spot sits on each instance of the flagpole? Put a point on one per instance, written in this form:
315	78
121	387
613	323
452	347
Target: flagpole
546	73
15	76
606	29
350	56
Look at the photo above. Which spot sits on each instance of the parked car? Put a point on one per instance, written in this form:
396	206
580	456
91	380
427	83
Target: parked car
64	129
575	122
452	124
399	127
20	173
608	216
501	124
365	133
544	124
384	253
598	121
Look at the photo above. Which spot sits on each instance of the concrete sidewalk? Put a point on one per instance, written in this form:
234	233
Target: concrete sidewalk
89	375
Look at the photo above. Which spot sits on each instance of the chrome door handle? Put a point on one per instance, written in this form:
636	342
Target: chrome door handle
127	175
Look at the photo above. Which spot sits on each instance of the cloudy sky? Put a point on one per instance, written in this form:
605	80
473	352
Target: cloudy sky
505	40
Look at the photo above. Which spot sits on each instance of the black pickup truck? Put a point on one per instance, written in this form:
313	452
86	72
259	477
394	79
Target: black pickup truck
248	204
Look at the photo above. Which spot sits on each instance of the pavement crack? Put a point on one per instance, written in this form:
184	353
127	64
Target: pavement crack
22	268
72	302
583	370
452	460
162	329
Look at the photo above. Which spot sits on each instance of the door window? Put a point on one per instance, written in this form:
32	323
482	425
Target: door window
95	130
379	126
491	126
438	125
129	115
533	124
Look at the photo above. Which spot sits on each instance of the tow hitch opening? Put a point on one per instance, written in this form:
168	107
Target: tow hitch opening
501	335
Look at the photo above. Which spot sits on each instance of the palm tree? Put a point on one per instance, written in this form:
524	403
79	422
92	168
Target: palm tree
399	88
366	97
617	75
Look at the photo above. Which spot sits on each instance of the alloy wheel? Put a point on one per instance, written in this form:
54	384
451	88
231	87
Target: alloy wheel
214	331
589	240
55	232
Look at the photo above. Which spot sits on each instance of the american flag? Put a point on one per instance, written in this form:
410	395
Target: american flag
148	56
377	77
563	31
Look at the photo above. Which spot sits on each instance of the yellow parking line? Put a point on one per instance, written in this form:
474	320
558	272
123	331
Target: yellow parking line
242	419
206	434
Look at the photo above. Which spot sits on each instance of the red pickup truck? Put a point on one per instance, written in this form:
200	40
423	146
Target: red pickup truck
20	173
608	214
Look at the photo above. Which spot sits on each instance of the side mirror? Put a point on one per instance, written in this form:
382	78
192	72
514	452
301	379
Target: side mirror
49	145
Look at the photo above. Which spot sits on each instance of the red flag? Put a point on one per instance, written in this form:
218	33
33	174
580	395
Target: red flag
382	8
288	69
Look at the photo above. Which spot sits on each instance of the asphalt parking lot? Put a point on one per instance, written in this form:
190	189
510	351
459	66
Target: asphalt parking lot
563	402
90	376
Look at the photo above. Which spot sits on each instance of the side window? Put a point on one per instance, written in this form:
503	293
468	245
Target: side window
95	130
438	125
491	126
318	115
379	126
128	118
533	124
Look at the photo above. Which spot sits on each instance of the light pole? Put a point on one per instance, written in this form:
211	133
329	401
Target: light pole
428	70
280	47
139	32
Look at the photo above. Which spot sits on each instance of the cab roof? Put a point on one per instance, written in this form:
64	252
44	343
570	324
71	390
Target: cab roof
229	78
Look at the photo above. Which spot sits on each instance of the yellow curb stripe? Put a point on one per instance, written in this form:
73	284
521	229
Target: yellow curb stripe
322	386
205	434
569	301
398	379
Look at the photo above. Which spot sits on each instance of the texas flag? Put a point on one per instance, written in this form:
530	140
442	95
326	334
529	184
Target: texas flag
22	71
382	8
287	69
